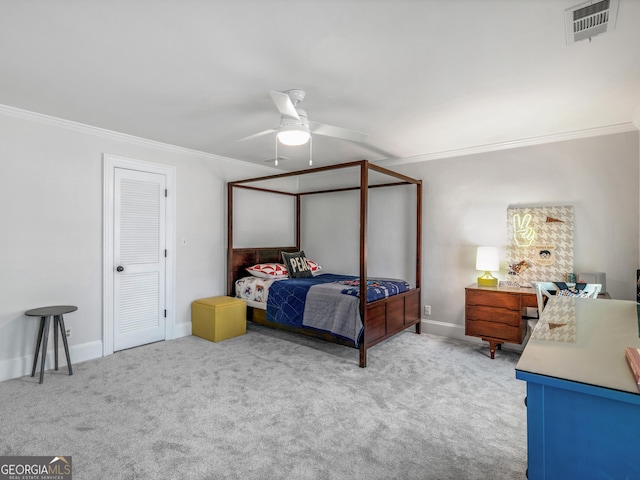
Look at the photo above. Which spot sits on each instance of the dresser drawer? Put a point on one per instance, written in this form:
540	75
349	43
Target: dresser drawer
501	331
529	301
494	315
493	299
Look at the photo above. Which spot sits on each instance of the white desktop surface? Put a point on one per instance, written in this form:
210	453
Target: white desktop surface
583	340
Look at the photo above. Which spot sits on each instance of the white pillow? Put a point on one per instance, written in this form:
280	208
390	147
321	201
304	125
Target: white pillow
268	270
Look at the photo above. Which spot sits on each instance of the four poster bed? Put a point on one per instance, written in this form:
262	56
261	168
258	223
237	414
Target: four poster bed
383	307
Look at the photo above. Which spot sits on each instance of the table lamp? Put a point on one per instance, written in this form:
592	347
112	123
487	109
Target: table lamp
487	260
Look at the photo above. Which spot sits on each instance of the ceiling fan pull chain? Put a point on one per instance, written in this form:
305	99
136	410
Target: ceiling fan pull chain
310	150
276	150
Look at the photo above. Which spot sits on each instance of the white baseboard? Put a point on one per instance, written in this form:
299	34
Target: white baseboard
182	330
453	330
21	366
444	329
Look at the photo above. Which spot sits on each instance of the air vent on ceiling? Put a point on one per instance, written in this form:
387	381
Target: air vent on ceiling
590	19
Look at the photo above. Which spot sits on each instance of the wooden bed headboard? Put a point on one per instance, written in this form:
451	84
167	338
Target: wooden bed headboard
241	258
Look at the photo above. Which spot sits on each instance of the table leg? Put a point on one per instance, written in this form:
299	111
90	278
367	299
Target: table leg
35	356
45	340
55	340
65	343
496	346
492	346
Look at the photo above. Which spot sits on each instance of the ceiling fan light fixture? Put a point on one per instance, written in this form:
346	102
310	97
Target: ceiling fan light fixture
293	134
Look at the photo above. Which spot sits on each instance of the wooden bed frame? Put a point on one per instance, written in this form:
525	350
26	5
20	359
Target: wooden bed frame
381	319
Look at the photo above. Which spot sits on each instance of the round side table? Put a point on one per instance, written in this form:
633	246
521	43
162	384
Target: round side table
45	314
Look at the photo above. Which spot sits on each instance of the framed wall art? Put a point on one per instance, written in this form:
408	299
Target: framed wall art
540	244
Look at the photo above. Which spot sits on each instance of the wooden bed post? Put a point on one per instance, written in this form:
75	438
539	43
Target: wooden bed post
364	202
229	238
419	247
298	221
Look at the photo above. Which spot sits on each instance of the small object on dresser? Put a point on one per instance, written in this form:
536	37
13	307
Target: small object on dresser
633	358
487	260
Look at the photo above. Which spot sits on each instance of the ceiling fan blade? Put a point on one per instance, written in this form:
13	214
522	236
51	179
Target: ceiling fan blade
384	153
338	132
284	104
280	159
259	134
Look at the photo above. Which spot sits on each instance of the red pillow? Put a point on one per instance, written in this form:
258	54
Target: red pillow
278	270
268	270
315	268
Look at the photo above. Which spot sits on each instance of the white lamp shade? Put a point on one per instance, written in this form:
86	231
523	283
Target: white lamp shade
488	259
293	134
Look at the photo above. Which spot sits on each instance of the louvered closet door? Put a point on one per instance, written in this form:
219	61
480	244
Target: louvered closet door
139	257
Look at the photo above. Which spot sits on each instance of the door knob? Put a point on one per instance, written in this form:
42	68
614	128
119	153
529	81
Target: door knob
120	268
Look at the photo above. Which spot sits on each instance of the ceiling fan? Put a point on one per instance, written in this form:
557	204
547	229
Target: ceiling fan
295	127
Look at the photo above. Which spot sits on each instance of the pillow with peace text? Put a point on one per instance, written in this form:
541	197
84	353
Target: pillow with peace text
297	264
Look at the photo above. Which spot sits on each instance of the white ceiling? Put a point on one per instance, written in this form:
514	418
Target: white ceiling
421	78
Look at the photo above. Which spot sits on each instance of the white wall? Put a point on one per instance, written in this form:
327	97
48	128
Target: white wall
466	198
51	240
332	237
263	219
51	212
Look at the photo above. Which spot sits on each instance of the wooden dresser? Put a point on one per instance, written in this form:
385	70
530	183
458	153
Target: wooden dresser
497	314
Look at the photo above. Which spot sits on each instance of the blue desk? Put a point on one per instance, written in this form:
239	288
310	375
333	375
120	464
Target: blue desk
583	405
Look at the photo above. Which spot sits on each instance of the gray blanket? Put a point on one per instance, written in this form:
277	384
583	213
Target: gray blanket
326	308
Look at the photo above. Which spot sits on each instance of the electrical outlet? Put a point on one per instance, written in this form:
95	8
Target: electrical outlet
427	309
68	332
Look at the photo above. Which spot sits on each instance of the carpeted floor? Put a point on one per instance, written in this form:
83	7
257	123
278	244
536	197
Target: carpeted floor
274	405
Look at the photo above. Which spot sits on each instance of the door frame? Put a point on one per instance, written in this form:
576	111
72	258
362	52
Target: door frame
110	163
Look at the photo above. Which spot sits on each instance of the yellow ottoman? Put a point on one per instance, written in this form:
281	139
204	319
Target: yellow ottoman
218	318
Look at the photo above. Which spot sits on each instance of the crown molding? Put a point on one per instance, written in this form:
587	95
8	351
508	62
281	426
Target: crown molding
19	113
636	118
526	142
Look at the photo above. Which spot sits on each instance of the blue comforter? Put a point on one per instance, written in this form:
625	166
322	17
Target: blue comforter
286	300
